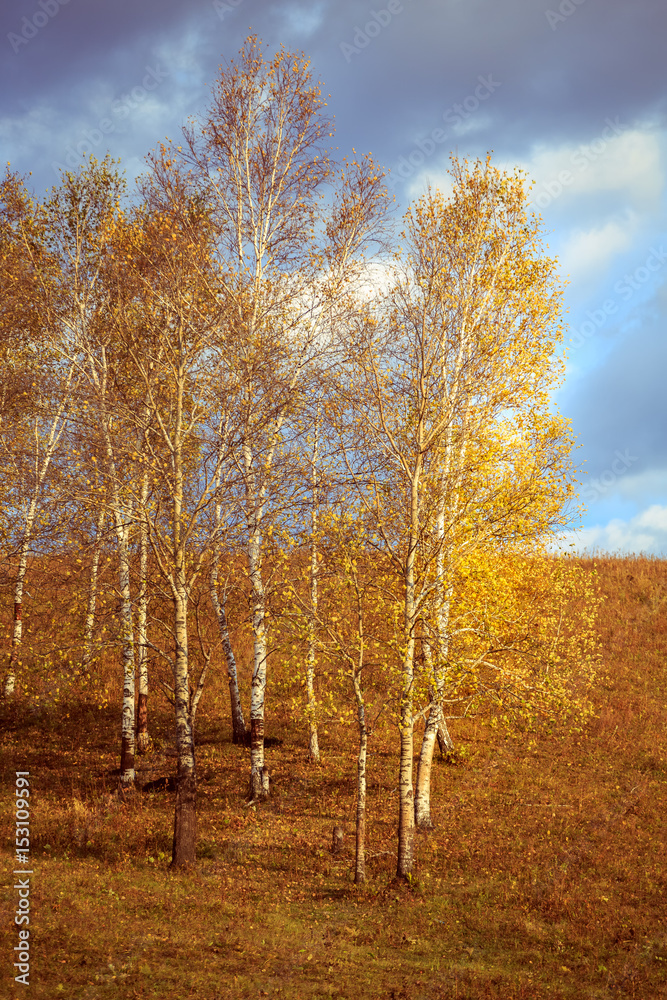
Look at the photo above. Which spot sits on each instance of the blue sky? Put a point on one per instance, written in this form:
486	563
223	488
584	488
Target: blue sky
573	91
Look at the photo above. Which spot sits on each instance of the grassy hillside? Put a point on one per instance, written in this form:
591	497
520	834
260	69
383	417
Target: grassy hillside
545	875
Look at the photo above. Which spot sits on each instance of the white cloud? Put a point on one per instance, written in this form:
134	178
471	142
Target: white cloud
646	532
304	20
629	163
438	179
589	252
649	483
34	128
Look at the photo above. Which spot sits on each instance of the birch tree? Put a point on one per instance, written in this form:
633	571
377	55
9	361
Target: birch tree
37	387
388	439
314	557
219	604
451	439
288	256
169	314
93	581
359	596
84	217
143	738
489	302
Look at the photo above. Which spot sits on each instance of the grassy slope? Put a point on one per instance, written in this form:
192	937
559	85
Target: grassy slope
544	877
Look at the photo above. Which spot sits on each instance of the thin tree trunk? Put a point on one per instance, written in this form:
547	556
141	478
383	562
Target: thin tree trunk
436	727
434	730
143	739
41	469
185	815
311	707
444	591
89	630
17	626
255	497
184	851
258	689
406	812
360	858
313	742
423	784
98	376
406	816
238	722
220	609
255	500
445	742
127	744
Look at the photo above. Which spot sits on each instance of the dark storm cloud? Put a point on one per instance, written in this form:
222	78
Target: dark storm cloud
99	61
81	38
537	81
604	58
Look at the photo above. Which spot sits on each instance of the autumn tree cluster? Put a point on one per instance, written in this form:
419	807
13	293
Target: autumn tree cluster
247	365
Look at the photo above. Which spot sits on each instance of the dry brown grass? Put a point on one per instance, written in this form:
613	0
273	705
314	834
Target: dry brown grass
545	875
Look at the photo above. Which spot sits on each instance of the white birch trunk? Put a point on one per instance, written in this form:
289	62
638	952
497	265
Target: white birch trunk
17	625
406	813
434	730
255	497
360	853
41	469
311	704
219	607
258	689
436	727
184	849
98	370
143	739
185	815
91	607
423	784
127	744
445	741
